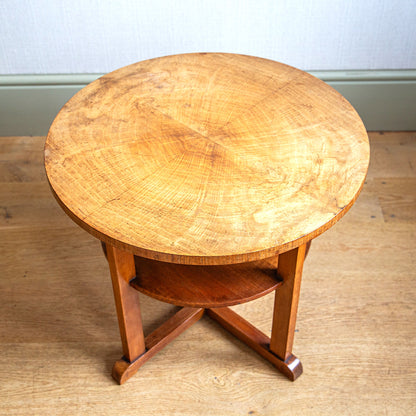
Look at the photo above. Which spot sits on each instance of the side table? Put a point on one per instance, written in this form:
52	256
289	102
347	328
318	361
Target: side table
206	176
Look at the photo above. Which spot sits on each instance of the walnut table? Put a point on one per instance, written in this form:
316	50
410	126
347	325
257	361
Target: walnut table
206	176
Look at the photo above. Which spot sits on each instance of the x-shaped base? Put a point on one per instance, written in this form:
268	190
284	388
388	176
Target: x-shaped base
183	319
137	349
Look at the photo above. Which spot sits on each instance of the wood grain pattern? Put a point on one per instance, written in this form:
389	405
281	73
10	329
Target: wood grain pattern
207	158
205	286
357	335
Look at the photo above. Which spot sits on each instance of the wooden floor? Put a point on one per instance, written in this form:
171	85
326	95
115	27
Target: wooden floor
356	329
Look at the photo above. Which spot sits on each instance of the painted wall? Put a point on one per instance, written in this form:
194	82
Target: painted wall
97	36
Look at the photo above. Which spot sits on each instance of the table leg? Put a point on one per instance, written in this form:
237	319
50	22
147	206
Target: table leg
136	348
122	270
278	348
286	304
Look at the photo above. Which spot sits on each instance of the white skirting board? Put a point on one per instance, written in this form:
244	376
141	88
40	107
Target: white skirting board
385	100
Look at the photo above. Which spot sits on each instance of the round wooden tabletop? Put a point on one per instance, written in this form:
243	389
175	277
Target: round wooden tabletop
207	158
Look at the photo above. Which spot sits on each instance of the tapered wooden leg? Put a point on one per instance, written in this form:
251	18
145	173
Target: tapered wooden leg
286	302
122	270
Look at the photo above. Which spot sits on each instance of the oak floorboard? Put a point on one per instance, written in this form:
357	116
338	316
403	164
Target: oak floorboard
355	336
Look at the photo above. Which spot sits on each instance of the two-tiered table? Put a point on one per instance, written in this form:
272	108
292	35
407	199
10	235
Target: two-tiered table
206	176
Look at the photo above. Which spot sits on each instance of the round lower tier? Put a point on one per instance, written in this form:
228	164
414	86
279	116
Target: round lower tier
205	286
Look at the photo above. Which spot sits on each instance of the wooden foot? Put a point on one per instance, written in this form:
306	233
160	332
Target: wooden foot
124	369
255	339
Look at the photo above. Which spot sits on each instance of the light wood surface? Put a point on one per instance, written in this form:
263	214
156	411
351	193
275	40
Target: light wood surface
207	158
355	329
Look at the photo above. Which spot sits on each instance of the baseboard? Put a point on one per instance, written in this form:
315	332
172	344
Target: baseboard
385	100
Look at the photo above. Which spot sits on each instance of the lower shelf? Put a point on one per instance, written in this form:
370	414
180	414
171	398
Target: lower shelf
205	286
